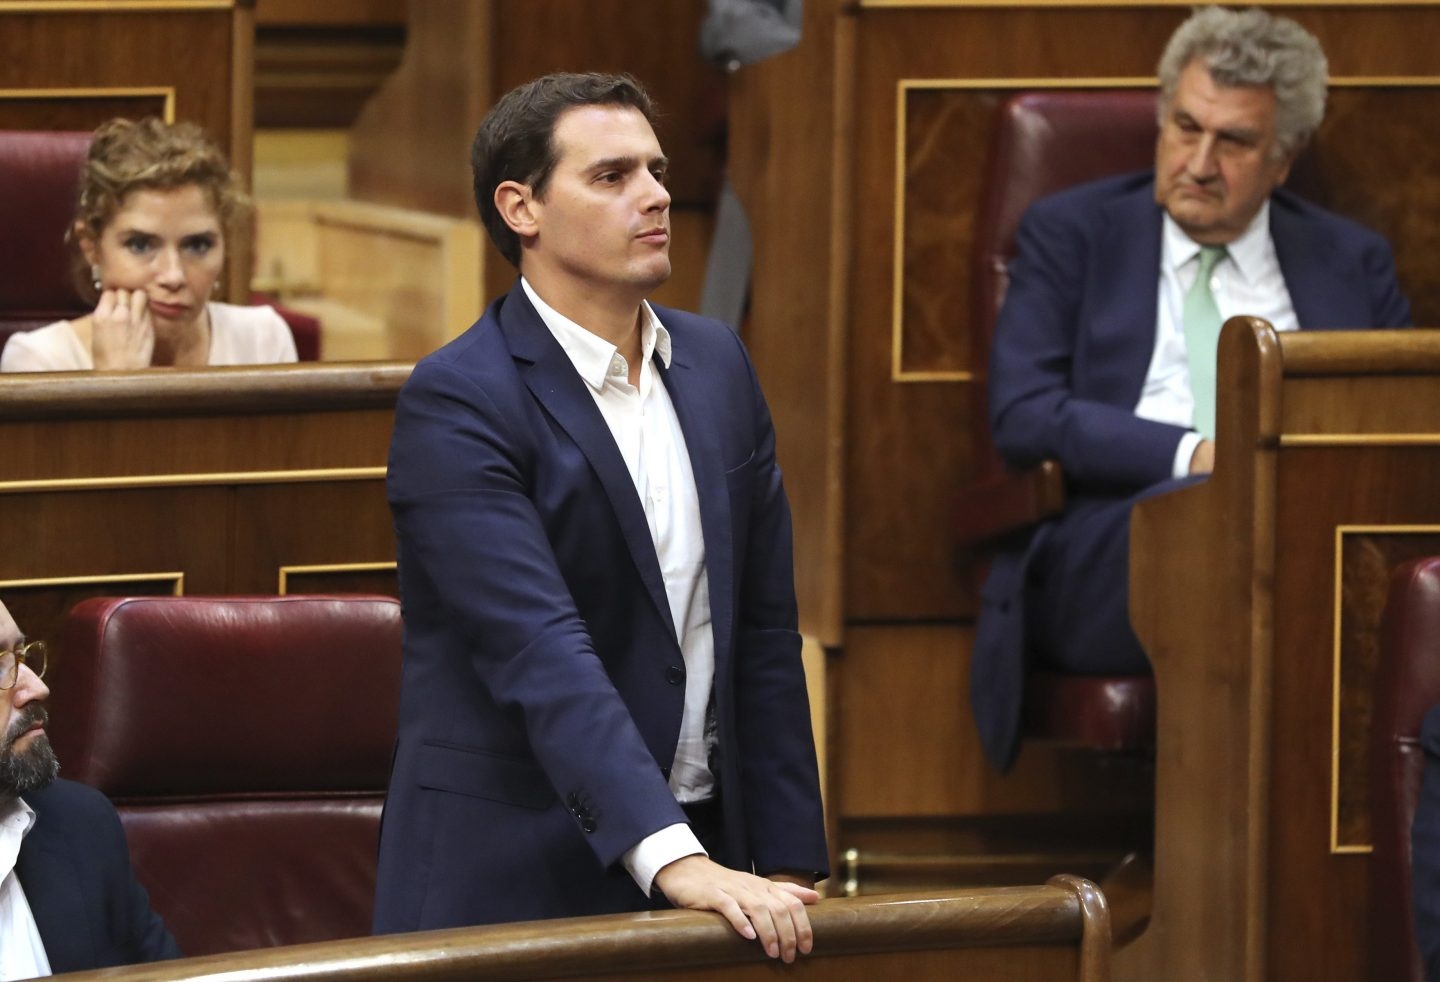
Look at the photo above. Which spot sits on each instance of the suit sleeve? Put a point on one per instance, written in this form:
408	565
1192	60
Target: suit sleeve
1390	307
458	491
785	824
138	932
1035	412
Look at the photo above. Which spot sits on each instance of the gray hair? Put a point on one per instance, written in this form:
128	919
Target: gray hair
1250	48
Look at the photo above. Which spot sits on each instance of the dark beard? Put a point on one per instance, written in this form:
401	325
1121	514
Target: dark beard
31	769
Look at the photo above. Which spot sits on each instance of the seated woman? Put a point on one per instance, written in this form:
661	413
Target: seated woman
155	200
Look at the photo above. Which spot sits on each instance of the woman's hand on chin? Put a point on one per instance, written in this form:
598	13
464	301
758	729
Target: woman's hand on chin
122	334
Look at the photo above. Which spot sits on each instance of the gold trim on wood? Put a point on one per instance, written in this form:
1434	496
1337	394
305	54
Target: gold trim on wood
193	480
903	87
1336	847
286	571
109	6
176	578
1359	439
110	92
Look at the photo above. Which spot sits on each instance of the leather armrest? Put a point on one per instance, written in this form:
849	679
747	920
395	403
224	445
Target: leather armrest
1008	502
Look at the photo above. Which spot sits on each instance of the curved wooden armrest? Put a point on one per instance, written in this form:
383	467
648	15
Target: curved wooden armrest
1009	502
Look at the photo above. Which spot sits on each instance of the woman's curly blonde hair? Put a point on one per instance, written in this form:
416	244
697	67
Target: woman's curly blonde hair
151	155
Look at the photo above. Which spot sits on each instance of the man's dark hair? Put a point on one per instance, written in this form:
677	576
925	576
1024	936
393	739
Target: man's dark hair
515	141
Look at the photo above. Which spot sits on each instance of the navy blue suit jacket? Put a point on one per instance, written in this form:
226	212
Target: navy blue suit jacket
543	679
1073	344
74	867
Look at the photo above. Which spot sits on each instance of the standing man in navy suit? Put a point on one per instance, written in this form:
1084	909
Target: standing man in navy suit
603	707
68	899
1104	353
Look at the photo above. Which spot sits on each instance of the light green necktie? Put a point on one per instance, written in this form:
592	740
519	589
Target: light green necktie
1202	337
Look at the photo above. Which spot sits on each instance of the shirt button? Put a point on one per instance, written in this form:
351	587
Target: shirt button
675	675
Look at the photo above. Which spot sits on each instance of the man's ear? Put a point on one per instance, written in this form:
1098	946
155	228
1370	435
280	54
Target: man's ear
513	201
86	241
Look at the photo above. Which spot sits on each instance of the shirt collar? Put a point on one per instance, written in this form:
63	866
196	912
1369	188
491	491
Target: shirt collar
591	354
15	813
1246	253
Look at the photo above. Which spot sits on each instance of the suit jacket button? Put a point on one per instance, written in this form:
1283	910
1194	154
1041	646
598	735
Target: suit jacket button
675	675
587	823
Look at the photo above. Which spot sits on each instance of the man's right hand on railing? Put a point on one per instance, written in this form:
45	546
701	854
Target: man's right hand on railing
768	910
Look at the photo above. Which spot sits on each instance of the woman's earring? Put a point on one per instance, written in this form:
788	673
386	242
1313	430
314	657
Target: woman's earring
95	275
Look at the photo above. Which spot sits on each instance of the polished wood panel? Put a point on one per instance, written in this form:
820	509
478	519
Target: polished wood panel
1058	931
1251	878
410	146
790	162
317	62
193	482
411	273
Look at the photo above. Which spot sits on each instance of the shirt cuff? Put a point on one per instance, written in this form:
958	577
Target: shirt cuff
658	850
1183	453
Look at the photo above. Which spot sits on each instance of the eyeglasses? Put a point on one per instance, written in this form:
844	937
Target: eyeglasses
32	654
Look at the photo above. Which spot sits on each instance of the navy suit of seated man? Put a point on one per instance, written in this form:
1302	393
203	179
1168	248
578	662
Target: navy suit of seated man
68	899
1104	352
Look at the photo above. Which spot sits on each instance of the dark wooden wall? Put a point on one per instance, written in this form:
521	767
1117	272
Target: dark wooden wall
215	481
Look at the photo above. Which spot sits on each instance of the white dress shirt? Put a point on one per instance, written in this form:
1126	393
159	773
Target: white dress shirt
647	431
22	953
1247	281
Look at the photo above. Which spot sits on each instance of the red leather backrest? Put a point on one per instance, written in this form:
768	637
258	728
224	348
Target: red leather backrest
39	182
246	742
1043	142
1407	684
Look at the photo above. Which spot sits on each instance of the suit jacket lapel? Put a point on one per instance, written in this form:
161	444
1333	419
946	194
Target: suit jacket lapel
698	421
1129	246
552	379
1324	293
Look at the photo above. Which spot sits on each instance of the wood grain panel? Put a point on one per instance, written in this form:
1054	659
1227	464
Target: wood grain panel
657	43
906	744
790	162
1317	898
225	495
945	149
311	525
410	145
79	108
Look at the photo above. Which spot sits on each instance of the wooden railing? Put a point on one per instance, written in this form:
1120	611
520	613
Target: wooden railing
1057	931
